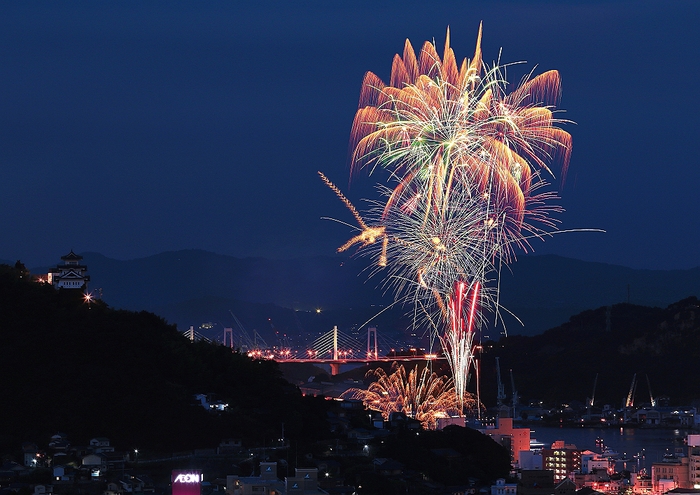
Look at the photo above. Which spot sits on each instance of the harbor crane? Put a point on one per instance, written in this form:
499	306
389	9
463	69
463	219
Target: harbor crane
515	397
652	401
501	395
633	389
591	400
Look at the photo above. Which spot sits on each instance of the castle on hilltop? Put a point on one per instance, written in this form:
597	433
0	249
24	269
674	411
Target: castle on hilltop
71	274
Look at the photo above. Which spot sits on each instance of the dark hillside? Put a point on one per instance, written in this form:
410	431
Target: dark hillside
614	341
89	370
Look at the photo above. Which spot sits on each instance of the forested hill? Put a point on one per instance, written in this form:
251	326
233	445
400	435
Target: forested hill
614	342
88	370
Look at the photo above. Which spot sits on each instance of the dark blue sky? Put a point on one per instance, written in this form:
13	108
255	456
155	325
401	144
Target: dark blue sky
136	128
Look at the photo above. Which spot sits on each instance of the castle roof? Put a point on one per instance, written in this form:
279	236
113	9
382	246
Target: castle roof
71	257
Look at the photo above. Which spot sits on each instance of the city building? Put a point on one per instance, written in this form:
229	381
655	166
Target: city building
592	462
516	440
694	460
562	458
531	460
669	474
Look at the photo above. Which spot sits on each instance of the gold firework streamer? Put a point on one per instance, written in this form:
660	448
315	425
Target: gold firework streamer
368	235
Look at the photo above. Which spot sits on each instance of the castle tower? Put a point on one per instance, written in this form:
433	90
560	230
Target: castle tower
69	275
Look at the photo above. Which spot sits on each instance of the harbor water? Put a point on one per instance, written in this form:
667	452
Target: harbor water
637	447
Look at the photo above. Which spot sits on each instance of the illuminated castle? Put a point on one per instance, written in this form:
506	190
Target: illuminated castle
69	275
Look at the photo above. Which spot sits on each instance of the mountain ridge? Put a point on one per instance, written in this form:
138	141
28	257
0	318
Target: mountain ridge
542	290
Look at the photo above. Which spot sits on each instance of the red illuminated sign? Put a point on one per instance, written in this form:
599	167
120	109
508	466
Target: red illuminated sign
186	482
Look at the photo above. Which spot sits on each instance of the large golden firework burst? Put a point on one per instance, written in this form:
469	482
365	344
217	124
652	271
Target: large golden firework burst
421	395
435	124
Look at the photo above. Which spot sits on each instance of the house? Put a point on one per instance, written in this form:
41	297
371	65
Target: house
63	474
100	445
566	487
59	437
136	484
59	442
30	453
94	462
503	488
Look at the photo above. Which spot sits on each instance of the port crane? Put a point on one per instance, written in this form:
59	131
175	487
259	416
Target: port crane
515	397
652	401
515	400
633	390
501	395
591	401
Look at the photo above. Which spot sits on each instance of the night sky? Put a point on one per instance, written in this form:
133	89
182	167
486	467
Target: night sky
136	128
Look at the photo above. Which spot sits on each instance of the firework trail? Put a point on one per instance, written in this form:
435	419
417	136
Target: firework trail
465	160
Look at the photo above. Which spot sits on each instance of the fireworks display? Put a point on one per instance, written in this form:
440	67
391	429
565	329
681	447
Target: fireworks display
465	161
423	395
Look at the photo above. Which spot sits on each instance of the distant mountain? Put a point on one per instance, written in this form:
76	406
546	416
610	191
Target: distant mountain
544	291
660	345
191	287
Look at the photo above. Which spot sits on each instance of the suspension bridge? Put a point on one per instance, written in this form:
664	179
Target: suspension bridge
333	347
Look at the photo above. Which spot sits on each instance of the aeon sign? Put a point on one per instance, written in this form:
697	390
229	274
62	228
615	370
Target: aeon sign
187	478
186	482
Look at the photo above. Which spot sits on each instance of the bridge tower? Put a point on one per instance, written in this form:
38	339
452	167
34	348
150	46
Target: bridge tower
335	365
228	332
335	342
372	331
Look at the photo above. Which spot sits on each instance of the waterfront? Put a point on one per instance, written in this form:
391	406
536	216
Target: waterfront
642	446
